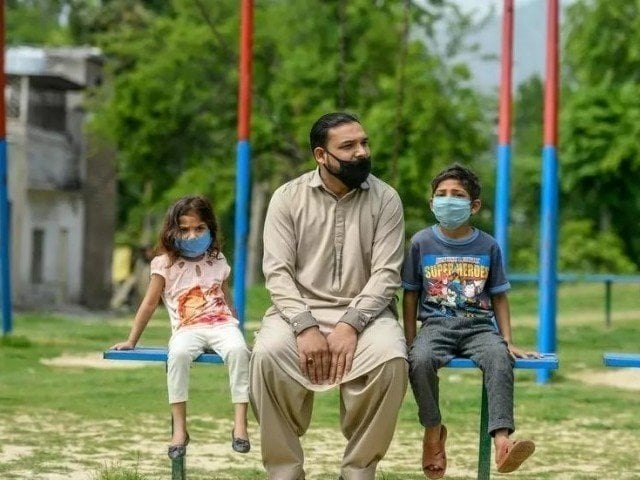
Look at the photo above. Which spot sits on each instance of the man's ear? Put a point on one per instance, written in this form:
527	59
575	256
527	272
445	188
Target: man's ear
475	206
318	154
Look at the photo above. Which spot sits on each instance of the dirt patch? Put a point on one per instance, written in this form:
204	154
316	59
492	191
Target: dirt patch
90	360
625	378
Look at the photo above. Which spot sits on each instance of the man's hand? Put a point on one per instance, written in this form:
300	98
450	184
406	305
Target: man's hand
313	354
342	345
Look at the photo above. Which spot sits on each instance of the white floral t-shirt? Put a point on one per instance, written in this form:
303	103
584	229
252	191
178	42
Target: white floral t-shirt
193	291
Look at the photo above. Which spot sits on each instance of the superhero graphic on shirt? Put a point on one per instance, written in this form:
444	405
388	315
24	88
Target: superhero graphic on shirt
457	284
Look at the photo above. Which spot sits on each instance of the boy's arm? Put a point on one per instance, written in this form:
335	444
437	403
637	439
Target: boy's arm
143	315
500	304
410	314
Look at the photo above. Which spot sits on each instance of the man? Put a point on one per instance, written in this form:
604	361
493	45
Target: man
333	248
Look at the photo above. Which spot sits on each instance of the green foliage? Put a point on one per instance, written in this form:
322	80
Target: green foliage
601	118
584	249
35	22
170	105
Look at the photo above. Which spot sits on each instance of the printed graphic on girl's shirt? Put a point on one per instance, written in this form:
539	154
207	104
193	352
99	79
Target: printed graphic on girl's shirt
200	307
457	284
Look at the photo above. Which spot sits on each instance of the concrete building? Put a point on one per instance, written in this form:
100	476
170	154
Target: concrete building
62	184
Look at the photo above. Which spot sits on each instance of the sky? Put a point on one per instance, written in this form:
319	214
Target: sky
482	5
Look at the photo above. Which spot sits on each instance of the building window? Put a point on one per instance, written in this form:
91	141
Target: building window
47	109
12	97
37	255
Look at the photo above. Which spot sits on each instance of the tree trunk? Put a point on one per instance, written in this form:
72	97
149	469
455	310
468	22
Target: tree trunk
258	210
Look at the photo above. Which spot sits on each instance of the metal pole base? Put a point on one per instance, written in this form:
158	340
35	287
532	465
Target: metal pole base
178	470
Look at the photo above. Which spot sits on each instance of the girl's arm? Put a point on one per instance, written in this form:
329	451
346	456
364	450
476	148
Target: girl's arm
228	298
143	315
410	314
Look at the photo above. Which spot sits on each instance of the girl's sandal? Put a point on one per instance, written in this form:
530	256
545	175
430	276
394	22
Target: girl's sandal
239	445
177	451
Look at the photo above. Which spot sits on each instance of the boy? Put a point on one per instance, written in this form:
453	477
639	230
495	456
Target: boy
454	283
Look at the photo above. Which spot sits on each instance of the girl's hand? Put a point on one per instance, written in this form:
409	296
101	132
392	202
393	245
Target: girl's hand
124	346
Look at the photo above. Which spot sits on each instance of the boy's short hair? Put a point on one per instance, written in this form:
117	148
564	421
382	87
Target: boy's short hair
464	175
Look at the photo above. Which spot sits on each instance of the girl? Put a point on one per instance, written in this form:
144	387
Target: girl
191	278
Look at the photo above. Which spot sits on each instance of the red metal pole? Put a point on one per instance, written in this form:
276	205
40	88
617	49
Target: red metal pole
504	119
551	88
503	161
244	88
3	119
5	220
243	159
548	257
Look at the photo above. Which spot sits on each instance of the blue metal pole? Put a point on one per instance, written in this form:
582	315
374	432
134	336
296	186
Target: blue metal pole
547	283
501	211
5	241
243	187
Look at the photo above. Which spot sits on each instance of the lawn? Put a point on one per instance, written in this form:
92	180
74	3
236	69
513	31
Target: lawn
64	413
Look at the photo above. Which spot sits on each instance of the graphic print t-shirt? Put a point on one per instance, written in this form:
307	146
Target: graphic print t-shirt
455	277
193	291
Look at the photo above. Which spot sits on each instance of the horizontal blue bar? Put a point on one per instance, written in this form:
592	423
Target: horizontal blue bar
622	360
154	354
577	277
549	361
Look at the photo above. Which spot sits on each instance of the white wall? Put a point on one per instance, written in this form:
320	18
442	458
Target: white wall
60	216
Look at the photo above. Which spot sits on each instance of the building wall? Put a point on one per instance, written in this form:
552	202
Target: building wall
62	191
50	265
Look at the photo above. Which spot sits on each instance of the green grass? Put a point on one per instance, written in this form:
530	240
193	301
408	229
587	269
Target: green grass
113	424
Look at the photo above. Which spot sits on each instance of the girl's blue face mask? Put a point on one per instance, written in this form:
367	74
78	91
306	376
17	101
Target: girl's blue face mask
451	212
193	247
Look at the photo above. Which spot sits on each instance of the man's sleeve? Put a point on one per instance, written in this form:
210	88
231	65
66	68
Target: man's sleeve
386	260
278	264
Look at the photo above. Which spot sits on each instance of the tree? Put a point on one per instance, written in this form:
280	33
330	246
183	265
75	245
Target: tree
35	22
601	119
170	104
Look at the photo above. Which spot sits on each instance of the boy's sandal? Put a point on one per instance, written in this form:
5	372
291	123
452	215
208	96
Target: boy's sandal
434	464
512	454
239	445
177	451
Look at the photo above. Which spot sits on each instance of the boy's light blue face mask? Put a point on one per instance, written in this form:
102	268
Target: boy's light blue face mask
193	247
451	212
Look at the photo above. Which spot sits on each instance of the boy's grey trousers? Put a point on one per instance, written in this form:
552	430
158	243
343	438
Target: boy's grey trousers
442	338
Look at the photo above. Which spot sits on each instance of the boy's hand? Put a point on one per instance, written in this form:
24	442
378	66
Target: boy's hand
124	346
516	352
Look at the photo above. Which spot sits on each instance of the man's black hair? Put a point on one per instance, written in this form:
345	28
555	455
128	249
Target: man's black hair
320	129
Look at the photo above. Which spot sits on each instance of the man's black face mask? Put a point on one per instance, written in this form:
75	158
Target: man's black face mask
351	173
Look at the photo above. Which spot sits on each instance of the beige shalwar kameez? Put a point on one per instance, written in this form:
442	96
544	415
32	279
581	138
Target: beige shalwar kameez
330	259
